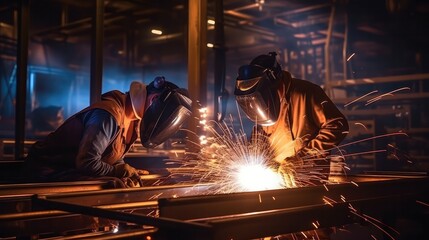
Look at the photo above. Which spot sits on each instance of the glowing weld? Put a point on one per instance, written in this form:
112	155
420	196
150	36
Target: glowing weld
255	177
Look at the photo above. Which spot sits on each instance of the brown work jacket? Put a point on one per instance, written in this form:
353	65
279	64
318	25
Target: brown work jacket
57	154
309	123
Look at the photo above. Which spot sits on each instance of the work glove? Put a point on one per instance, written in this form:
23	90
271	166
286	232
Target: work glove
129	175
287	169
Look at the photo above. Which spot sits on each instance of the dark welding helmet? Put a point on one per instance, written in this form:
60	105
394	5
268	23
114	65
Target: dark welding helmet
256	89
165	116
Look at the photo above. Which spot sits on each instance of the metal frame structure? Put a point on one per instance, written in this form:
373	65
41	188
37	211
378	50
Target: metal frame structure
59	212
187	212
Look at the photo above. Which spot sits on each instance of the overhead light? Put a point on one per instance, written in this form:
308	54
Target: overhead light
211	24
156	31
210	45
260	4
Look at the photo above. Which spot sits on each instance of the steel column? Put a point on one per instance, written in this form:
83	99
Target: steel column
197	63
221	94
21	77
328	74
97	52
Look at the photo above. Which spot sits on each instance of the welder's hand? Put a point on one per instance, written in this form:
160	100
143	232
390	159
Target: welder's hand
287	171
132	182
294	160
142	172
129	175
124	170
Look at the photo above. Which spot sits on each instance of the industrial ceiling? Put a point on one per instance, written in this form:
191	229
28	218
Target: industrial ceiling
377	31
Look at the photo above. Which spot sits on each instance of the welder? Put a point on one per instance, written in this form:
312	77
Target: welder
92	143
289	110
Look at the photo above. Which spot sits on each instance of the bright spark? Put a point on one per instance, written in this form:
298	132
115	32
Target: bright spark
359	98
361	124
256	177
385	94
423	203
350	57
233	162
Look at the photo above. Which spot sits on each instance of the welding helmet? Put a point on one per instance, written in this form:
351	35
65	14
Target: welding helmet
256	89
165	115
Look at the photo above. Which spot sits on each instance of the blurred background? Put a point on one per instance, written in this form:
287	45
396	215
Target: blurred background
370	56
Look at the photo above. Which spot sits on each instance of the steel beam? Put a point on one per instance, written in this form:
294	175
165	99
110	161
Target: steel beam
22	217
270	213
359	188
233	216
52	187
173	226
128	195
301	219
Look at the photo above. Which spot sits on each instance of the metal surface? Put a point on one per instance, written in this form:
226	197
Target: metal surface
128	195
23	218
269	213
63	224
195	207
293	220
133	234
185	212
171	225
53	187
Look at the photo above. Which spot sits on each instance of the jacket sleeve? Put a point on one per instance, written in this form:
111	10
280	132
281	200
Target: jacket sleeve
100	128
332	127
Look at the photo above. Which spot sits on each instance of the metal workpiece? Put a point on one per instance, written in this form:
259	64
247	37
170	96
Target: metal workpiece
130	234
278	222
51	187
16	198
270	213
297	219
354	188
177	227
187	211
42	226
128	195
21	216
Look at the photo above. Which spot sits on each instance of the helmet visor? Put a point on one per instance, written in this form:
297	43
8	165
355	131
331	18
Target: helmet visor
257	96
164	117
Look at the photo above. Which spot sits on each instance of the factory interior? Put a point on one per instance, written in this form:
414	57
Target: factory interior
371	57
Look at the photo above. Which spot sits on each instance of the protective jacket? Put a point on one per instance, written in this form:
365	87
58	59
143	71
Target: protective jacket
309	123
89	143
